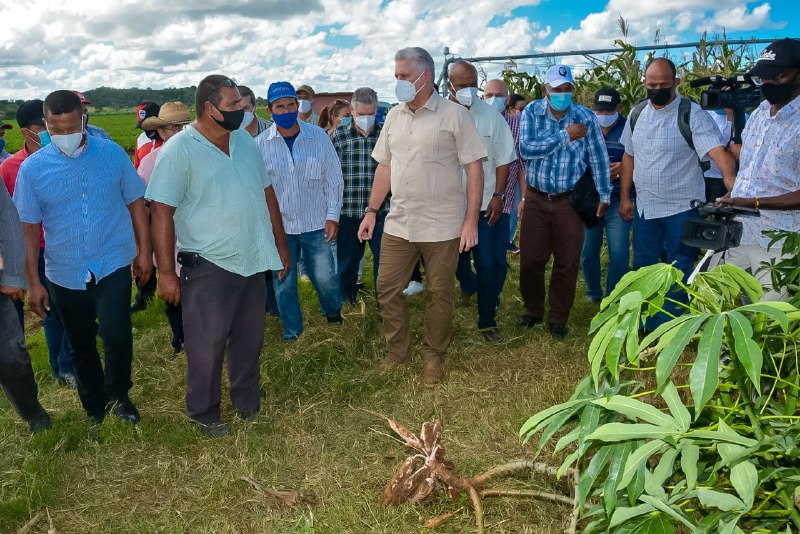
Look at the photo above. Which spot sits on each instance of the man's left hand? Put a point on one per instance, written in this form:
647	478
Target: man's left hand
494	211
14	293
602	208
142	268
331	230
286	260
469	236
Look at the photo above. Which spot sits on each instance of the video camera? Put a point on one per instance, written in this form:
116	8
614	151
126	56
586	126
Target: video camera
737	92
715	229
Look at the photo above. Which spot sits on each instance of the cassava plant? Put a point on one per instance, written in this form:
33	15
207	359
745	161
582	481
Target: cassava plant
693	427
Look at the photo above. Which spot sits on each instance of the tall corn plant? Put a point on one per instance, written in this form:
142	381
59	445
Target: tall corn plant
692	426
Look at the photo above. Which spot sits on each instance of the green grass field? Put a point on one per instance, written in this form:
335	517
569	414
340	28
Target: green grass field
313	434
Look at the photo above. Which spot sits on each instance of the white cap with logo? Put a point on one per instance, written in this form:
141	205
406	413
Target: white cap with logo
558	75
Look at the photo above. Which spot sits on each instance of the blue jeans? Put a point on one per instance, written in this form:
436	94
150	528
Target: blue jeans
491	267
58	347
659	240
617	231
350	251
320	264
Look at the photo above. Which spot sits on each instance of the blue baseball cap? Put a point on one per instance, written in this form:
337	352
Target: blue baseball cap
278	90
558	75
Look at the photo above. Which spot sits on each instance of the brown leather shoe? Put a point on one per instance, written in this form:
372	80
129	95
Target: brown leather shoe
389	364
432	370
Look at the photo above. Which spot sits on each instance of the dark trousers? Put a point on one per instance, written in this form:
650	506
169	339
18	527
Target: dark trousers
105	303
349	251
16	373
549	228
270	300
221	310
58	347
175	319
491	268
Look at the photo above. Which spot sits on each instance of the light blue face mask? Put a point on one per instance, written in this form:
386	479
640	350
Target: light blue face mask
345	121
44	138
560	101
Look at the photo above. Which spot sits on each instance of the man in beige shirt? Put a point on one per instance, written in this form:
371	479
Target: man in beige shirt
422	147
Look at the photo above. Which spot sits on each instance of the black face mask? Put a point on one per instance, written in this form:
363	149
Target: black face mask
231	120
152	135
778	94
659	97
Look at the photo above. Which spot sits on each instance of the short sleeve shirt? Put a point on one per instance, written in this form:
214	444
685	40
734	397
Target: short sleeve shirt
220	208
499	143
425	151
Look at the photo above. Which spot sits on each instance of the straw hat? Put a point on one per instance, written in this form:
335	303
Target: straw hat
170	113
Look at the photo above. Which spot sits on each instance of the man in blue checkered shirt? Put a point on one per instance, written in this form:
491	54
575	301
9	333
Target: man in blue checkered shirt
354	143
558	140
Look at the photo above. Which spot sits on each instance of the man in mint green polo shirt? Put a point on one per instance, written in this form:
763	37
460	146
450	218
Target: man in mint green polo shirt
212	195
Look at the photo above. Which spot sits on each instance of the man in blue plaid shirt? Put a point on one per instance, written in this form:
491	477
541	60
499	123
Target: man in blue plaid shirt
558	140
354	143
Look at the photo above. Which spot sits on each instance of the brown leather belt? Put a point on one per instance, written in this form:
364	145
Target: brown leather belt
549	196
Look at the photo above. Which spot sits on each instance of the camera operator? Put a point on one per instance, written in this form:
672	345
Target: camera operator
715	185
769	170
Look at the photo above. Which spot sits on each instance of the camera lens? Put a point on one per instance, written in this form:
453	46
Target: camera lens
709	234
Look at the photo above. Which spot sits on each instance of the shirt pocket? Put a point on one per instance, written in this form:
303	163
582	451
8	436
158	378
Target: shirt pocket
311	169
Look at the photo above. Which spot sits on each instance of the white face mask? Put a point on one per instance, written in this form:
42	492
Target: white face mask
365	122
606	120
405	91
303	106
68	143
497	102
247	119
466	95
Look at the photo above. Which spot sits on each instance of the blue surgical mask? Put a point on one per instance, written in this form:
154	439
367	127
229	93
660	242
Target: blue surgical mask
720	111
44	138
285	120
560	101
345	121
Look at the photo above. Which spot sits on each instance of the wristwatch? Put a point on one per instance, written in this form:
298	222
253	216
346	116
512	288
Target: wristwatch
370	210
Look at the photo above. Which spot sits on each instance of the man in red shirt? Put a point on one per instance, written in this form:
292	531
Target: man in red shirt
30	117
148	140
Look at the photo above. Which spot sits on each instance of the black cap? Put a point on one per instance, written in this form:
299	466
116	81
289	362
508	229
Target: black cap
30	112
606	99
779	55
145	110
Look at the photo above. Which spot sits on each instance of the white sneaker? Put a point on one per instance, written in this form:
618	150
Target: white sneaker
413	288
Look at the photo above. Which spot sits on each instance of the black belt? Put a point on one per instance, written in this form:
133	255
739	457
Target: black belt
549	196
190	259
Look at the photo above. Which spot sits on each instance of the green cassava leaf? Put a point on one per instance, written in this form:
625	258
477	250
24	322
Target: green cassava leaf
566	439
773	309
714	435
614	348
673	512
690	454
653	523
637	459
598	462
636	409
676	407
619	457
672	352
531	426
730	452
747	351
744	478
598	346
624	432
717	499
665	467
554	424
704	374
627	513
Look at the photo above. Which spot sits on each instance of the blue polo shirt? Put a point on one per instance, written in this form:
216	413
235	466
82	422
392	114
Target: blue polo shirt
82	203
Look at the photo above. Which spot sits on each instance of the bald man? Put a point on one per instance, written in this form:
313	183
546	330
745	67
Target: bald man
490	253
665	168
495	93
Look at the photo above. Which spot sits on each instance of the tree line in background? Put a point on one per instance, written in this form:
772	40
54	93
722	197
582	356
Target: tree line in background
625	71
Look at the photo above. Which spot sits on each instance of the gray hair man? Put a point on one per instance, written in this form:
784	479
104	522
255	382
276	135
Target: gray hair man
354	143
425	142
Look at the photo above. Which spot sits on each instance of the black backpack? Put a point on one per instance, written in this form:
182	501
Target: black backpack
684	116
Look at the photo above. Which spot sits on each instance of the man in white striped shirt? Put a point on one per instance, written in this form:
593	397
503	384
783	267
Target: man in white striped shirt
308	181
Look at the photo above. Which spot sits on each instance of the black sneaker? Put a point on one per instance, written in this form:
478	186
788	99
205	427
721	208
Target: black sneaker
528	321
177	345
39	422
214	430
248	415
140	303
125	410
558	331
335	319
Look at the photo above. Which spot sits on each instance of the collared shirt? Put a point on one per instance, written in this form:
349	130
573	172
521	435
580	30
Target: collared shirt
8	172
220	208
358	167
516	166
726	129
769	165
425	150
307	179
666	171
262	125
553	163
499	144
82	203
615	150
96	131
